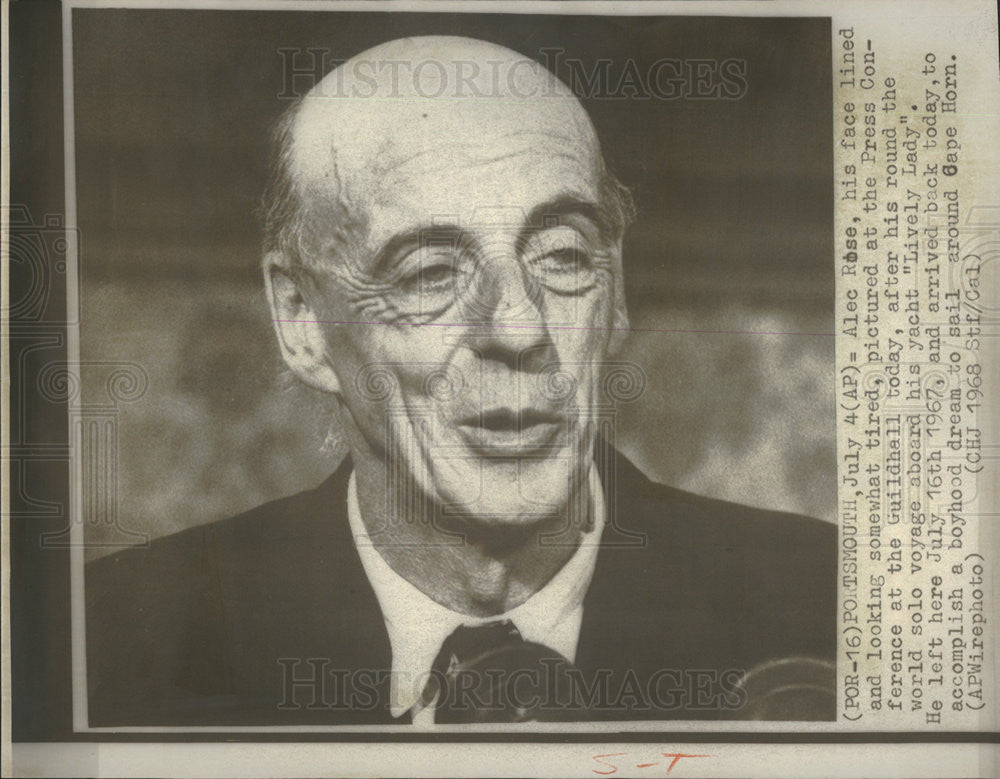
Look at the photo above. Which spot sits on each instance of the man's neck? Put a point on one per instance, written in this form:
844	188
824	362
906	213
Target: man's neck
461	562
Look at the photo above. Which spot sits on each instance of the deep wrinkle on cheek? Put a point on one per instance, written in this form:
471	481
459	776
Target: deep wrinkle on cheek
589	310
607	290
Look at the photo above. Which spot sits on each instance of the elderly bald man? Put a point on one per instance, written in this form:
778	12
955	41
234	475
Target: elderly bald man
443	258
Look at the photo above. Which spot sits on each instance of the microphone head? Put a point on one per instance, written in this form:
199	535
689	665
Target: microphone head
790	688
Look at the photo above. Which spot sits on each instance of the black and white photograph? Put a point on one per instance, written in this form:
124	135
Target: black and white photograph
431	387
481	364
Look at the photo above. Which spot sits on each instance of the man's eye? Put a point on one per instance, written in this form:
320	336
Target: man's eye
567	270
565	260
436	275
563	267
560	259
433	277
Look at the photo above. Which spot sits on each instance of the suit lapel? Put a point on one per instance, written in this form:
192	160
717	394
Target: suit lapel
346	630
359	630
630	619
611	606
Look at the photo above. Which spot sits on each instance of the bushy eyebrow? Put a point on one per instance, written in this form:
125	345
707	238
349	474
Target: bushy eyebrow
548	214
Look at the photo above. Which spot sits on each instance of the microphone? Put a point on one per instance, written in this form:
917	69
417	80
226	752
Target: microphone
790	688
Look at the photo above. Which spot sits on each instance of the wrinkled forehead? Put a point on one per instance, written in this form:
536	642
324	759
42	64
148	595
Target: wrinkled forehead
415	122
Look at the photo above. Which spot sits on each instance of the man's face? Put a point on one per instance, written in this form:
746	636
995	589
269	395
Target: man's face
473	316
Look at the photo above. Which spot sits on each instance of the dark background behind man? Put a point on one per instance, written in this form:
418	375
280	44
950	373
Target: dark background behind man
727	268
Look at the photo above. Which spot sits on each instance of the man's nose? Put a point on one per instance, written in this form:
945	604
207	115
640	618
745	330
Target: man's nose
509	319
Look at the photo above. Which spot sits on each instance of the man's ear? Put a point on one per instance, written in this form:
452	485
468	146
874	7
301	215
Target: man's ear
300	334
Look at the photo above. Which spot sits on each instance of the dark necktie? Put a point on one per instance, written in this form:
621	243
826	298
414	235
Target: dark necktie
489	673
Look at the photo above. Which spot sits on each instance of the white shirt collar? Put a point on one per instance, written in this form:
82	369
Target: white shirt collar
418	625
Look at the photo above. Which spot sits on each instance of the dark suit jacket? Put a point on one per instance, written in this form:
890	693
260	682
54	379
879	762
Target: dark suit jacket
267	618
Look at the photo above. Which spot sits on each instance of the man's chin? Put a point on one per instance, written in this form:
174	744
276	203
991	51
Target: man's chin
507	496
504	525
